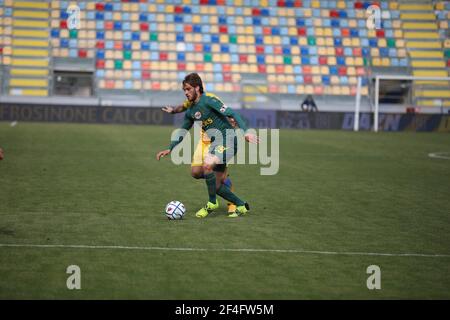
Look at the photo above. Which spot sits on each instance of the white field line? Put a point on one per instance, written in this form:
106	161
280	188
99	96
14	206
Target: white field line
293	251
440	155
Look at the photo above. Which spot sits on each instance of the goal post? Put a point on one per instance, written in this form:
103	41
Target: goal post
427	92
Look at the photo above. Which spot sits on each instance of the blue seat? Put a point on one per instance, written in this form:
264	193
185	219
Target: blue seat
338	42
340	61
256	21
261	59
64	43
100	54
304	51
354	33
335	23
143	17
145	46
197	28
100	35
180	37
215	38
224	48
73	53
126	36
373	43
179	19
135	36
299	79
348	51
300	22
305	60
365	52
99	16
109	7
259	40
128	84
63	14
298	70
181	56
333	70
286	50
218	77
326	80
293	41
222	20
117	25
384	52
265	12
55	33
137	74
127	46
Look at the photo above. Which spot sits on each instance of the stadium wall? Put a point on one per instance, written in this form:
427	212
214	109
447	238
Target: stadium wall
255	118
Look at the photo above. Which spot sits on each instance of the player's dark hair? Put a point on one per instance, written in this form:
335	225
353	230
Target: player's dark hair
194	80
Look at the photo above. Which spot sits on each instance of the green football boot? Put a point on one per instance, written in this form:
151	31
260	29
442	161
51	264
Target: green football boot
240	211
210	207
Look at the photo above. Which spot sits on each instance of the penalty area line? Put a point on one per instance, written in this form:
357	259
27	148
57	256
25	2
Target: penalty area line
293	251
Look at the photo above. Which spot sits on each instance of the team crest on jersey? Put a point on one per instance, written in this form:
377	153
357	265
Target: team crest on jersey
223	108
198	115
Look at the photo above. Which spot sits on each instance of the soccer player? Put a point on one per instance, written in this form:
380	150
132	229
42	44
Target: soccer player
201	150
213	114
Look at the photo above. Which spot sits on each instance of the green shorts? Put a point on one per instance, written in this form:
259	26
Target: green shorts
224	152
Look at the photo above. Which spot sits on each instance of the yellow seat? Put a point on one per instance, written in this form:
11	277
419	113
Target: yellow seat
30	33
29	62
430	73
30	52
29	72
19	82
30	14
428	64
30	23
421	35
28	92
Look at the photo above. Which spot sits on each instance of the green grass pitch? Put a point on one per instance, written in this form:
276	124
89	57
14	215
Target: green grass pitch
336	194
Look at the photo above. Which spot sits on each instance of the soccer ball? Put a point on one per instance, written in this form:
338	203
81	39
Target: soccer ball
175	210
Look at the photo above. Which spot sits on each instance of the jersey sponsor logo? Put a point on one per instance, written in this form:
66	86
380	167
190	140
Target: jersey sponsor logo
223	108
198	115
207	122
221	149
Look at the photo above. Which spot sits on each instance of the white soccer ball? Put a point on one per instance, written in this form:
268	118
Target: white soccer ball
175	210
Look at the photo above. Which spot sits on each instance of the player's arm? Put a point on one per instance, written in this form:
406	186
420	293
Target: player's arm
222	108
187	125
178	109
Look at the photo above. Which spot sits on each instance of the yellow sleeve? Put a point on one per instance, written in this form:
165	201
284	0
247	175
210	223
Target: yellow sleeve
186	104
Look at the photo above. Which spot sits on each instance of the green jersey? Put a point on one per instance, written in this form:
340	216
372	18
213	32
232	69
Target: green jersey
213	114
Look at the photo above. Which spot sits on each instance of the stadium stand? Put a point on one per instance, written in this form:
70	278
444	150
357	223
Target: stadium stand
292	47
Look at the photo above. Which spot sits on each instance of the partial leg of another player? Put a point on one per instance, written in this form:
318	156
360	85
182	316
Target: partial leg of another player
215	187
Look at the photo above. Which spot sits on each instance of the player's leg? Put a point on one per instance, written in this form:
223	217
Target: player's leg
197	159
223	190
210	177
229	184
200	152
